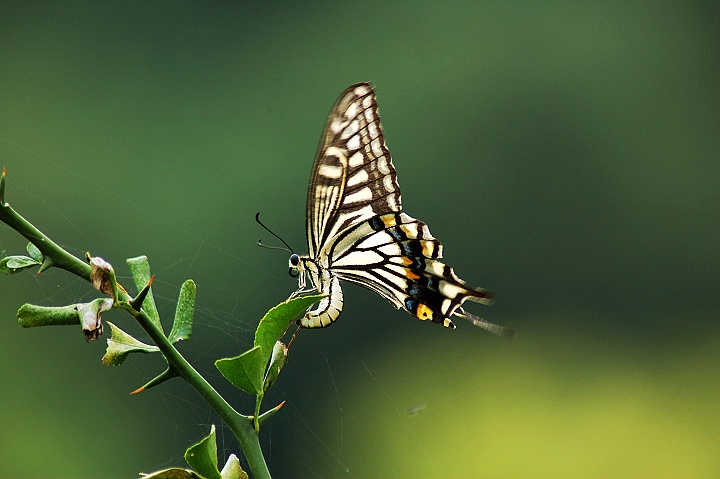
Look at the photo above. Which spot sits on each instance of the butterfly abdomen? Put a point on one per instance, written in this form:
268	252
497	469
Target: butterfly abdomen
328	309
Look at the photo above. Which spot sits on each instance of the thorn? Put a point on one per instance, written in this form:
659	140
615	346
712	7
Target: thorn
138	301
268	414
47	264
2	186
169	373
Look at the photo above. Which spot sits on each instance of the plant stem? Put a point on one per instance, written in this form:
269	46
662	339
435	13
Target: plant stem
242	426
256	416
50	250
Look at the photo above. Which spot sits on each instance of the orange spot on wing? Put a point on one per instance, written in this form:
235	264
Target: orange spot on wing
388	220
423	312
411	274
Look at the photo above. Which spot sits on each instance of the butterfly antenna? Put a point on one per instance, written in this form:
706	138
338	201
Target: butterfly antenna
287	248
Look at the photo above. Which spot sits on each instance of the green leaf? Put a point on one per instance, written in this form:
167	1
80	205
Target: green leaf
244	371
202	457
277	361
34	252
182	325
247	370
172	473
140	269
120	344
232	469
30	315
15	264
276	321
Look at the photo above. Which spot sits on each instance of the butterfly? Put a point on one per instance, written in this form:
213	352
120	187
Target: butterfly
358	232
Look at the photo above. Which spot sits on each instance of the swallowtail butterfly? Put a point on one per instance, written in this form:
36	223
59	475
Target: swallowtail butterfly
358	232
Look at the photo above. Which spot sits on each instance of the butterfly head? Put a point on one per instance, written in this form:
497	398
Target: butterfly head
294	265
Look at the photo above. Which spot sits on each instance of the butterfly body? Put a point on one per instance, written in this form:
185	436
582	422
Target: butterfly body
357	231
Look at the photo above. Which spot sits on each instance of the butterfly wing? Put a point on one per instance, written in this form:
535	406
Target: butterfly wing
357	231
396	256
353	178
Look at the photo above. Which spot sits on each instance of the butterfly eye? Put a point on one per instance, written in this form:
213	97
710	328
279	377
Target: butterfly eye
294	260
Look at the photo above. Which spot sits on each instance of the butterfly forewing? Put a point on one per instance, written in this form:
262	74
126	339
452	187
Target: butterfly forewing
353	178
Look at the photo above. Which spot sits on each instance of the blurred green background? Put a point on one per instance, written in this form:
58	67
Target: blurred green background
566	153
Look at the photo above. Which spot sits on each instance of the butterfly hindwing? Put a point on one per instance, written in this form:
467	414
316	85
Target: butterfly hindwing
396	256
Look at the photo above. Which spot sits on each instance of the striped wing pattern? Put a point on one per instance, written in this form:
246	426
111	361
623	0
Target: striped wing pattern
353	178
357	230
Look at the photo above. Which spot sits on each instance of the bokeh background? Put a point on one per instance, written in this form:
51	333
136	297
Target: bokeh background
566	153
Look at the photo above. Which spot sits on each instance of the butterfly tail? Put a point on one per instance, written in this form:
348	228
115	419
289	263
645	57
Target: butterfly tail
496	329
479	295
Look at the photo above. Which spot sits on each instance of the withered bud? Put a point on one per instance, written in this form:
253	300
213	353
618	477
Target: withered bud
90	317
102	275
